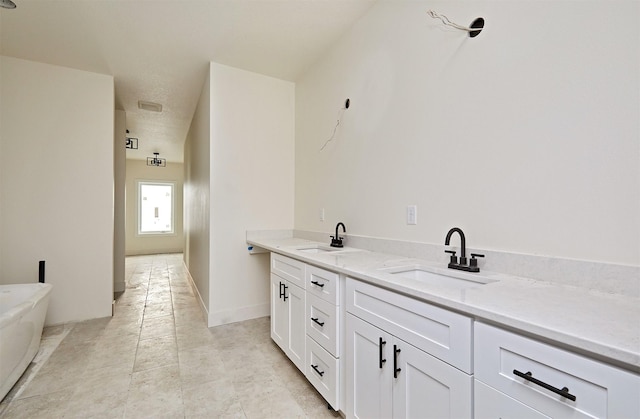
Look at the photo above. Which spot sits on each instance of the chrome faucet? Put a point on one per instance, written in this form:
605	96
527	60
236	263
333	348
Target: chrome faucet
336	241
462	264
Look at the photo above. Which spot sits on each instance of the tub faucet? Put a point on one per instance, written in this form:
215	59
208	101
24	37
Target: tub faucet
336	241
462	264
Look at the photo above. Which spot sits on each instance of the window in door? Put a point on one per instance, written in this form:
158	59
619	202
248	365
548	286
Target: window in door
155	207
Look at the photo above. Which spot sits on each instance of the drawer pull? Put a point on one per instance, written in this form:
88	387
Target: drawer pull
381	343
317	284
396	370
284	292
315	319
281	292
564	392
315	367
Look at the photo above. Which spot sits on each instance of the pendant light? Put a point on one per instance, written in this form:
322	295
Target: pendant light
156	161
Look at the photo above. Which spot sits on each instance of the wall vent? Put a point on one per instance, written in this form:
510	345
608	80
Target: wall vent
149	106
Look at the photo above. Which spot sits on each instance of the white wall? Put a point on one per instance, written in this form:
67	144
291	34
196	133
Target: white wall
151	244
56	195
526	137
252	185
120	169
197	195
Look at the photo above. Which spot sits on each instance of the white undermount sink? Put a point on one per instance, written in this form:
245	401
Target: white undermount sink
457	280
318	248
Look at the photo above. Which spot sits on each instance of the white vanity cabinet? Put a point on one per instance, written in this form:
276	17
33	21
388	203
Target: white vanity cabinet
390	370
375	352
288	307
517	376
305	322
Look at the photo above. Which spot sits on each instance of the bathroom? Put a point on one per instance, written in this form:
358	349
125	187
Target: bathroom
525	136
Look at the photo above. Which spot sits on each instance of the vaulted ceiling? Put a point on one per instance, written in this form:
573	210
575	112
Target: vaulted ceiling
159	50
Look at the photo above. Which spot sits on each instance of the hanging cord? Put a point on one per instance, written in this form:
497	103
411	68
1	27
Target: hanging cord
339	118
445	20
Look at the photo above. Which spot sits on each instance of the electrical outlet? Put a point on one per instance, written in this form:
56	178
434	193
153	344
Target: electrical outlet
412	215
321	214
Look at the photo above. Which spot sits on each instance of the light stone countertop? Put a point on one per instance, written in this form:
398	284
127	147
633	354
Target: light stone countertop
603	326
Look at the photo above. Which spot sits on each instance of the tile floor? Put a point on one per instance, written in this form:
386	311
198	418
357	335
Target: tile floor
156	358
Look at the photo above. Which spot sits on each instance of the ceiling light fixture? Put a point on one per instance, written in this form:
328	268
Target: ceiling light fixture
132	143
7	4
156	161
149	106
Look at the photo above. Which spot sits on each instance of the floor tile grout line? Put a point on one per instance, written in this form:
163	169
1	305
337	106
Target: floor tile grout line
175	338
163	270
124	413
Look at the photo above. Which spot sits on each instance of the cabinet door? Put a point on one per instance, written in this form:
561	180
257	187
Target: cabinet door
425	387
297	320
279	313
369	370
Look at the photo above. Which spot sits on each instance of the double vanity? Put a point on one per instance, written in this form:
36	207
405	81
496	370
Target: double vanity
381	335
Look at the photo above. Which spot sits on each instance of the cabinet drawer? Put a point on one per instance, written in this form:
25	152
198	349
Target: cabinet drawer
322	372
600	390
441	333
322	323
490	404
323	284
289	269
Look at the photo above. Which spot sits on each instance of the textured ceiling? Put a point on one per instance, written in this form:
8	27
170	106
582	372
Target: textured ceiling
158	50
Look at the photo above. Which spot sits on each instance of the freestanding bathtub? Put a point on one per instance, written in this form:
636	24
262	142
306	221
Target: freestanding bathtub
23	308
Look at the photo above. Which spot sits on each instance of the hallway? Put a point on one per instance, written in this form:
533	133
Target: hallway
156	358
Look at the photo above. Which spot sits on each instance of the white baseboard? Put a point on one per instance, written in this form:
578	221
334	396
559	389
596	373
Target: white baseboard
203	307
229	316
239	314
119	286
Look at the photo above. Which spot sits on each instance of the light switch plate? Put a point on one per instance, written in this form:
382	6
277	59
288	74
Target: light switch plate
412	215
